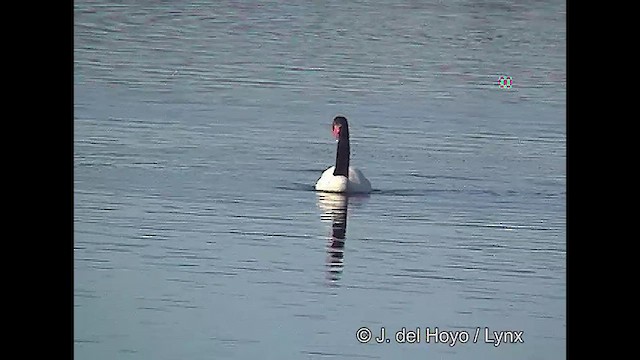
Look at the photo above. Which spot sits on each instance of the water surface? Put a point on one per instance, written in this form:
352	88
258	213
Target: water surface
201	128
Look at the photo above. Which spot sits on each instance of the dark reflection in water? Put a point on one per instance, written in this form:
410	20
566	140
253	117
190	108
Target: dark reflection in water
334	210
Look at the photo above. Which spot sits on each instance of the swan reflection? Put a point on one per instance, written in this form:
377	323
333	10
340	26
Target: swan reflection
334	209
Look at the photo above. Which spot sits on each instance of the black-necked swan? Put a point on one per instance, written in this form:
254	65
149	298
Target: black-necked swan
342	178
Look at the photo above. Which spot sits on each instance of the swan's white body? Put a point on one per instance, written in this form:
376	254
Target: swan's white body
356	183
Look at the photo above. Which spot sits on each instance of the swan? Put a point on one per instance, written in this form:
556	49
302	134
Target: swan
341	177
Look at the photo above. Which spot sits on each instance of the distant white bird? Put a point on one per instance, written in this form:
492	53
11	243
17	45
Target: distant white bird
342	178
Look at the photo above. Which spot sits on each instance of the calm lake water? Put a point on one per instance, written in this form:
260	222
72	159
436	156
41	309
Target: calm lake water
201	128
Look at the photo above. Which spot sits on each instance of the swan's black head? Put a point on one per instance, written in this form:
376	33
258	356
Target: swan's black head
340	127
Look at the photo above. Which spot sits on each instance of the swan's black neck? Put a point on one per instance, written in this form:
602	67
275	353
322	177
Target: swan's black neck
342	155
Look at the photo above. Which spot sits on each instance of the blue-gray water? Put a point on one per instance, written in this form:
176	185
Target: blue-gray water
201	128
